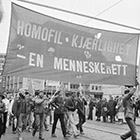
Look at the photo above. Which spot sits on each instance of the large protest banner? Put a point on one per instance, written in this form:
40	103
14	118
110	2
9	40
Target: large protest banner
47	48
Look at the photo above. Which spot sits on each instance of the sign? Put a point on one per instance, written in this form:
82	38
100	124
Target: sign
43	47
95	88
34	84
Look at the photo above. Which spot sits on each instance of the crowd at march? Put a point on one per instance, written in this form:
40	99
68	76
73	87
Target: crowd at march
22	111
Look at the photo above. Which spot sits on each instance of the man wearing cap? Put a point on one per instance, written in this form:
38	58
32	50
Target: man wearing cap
129	113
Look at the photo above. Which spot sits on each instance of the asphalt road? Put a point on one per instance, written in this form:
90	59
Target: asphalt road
93	131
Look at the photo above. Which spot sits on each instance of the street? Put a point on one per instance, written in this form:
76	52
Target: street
93	131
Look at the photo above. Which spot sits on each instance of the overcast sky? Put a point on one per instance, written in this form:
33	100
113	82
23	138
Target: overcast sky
125	12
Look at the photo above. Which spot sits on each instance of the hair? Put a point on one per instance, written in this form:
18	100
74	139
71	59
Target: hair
36	93
68	93
126	91
78	94
128	86
26	93
21	95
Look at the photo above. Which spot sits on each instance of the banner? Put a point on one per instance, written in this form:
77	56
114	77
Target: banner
43	47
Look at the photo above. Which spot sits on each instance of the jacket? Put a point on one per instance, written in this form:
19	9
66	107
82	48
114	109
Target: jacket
19	106
81	106
128	105
70	104
39	105
58	103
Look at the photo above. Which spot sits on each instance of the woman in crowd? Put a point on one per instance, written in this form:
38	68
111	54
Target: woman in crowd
120	110
104	110
112	109
91	107
2	110
98	109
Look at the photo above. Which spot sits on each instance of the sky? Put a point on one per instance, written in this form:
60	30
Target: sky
118	11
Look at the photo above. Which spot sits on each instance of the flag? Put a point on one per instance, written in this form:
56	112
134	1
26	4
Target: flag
44	47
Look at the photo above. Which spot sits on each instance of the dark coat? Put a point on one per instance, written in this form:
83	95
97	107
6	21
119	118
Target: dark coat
58	103
104	108
98	109
16	110
70	104
112	107
38	105
81	106
128	105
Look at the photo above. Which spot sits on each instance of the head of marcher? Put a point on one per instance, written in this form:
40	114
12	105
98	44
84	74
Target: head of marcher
41	94
80	94
27	94
21	95
127	89
1	97
5	94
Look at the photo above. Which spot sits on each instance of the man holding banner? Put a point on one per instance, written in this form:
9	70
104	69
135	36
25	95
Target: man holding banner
58	103
129	113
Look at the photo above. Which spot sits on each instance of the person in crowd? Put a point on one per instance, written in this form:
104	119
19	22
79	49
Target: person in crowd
39	114
112	109
98	109
69	130
58	103
91	107
47	111
81	102
29	111
15	112
5	115
2	110
9	116
21	110
70	105
129	113
50	114
137	106
134	106
120	110
104	109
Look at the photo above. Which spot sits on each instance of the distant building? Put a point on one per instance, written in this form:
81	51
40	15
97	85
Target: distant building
2	61
2	79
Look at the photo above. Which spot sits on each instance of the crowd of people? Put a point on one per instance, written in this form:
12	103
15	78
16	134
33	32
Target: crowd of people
23	111
111	110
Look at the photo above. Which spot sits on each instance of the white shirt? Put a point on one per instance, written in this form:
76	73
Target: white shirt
6	102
